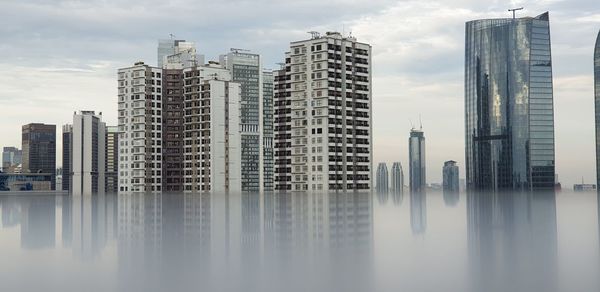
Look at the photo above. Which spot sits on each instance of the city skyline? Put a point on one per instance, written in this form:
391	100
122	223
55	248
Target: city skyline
400	90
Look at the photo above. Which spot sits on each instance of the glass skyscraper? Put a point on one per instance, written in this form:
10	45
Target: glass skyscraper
509	104
597	104
416	157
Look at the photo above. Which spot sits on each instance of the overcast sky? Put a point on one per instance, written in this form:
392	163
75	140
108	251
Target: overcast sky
57	57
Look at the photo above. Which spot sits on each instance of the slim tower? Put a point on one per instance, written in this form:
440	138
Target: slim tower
416	157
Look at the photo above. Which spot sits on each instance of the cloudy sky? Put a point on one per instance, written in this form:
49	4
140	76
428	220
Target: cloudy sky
62	56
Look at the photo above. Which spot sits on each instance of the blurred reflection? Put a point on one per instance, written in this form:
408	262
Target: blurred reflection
383	197
397	197
512	241
418	212
38	222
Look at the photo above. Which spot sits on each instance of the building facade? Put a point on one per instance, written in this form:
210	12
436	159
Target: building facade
450	177
397	178
39	150
212	156
382	178
11	157
268	132
67	153
246	69
88	154
509	104
416	157
112	160
323	115
597	104
140	128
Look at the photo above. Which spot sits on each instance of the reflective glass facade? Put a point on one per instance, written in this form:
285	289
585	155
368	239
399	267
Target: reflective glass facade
382	178
597	103
416	156
509	104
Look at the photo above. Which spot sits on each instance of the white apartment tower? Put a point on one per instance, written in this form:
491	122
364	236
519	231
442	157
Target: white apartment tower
140	128
88	154
212	155
322	102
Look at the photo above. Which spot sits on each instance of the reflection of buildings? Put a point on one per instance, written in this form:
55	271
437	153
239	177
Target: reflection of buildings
93	223
38	222
512	241
418	212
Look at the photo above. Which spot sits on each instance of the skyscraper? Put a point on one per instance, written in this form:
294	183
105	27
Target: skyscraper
416	157
112	160
11	156
67	152
246	69
88	154
179	129
509	104
140	121
177	51
382	178
323	115
597	104
39	150
450	174
397	180
267	132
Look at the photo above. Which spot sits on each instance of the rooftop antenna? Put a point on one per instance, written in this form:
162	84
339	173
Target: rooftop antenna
412	126
513	10
420	123
314	34
172	36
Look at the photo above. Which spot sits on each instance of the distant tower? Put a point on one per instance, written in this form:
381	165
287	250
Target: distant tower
450	172
39	150
397	183
451	184
416	146
382	178
597	102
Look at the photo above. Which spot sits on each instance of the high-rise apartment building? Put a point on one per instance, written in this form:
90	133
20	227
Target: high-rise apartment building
112	160
597	104
397	178
140	128
382	178
416	157
268	132
179	129
88	154
246	69
509	104
67	152
39	150
323	115
212	156
450	177
11	157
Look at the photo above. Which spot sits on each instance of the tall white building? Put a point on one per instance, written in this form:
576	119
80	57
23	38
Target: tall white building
88	154
323	115
212	156
140	128
179	129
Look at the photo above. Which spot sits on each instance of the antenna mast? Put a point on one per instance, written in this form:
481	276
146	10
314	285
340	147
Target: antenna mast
513	10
